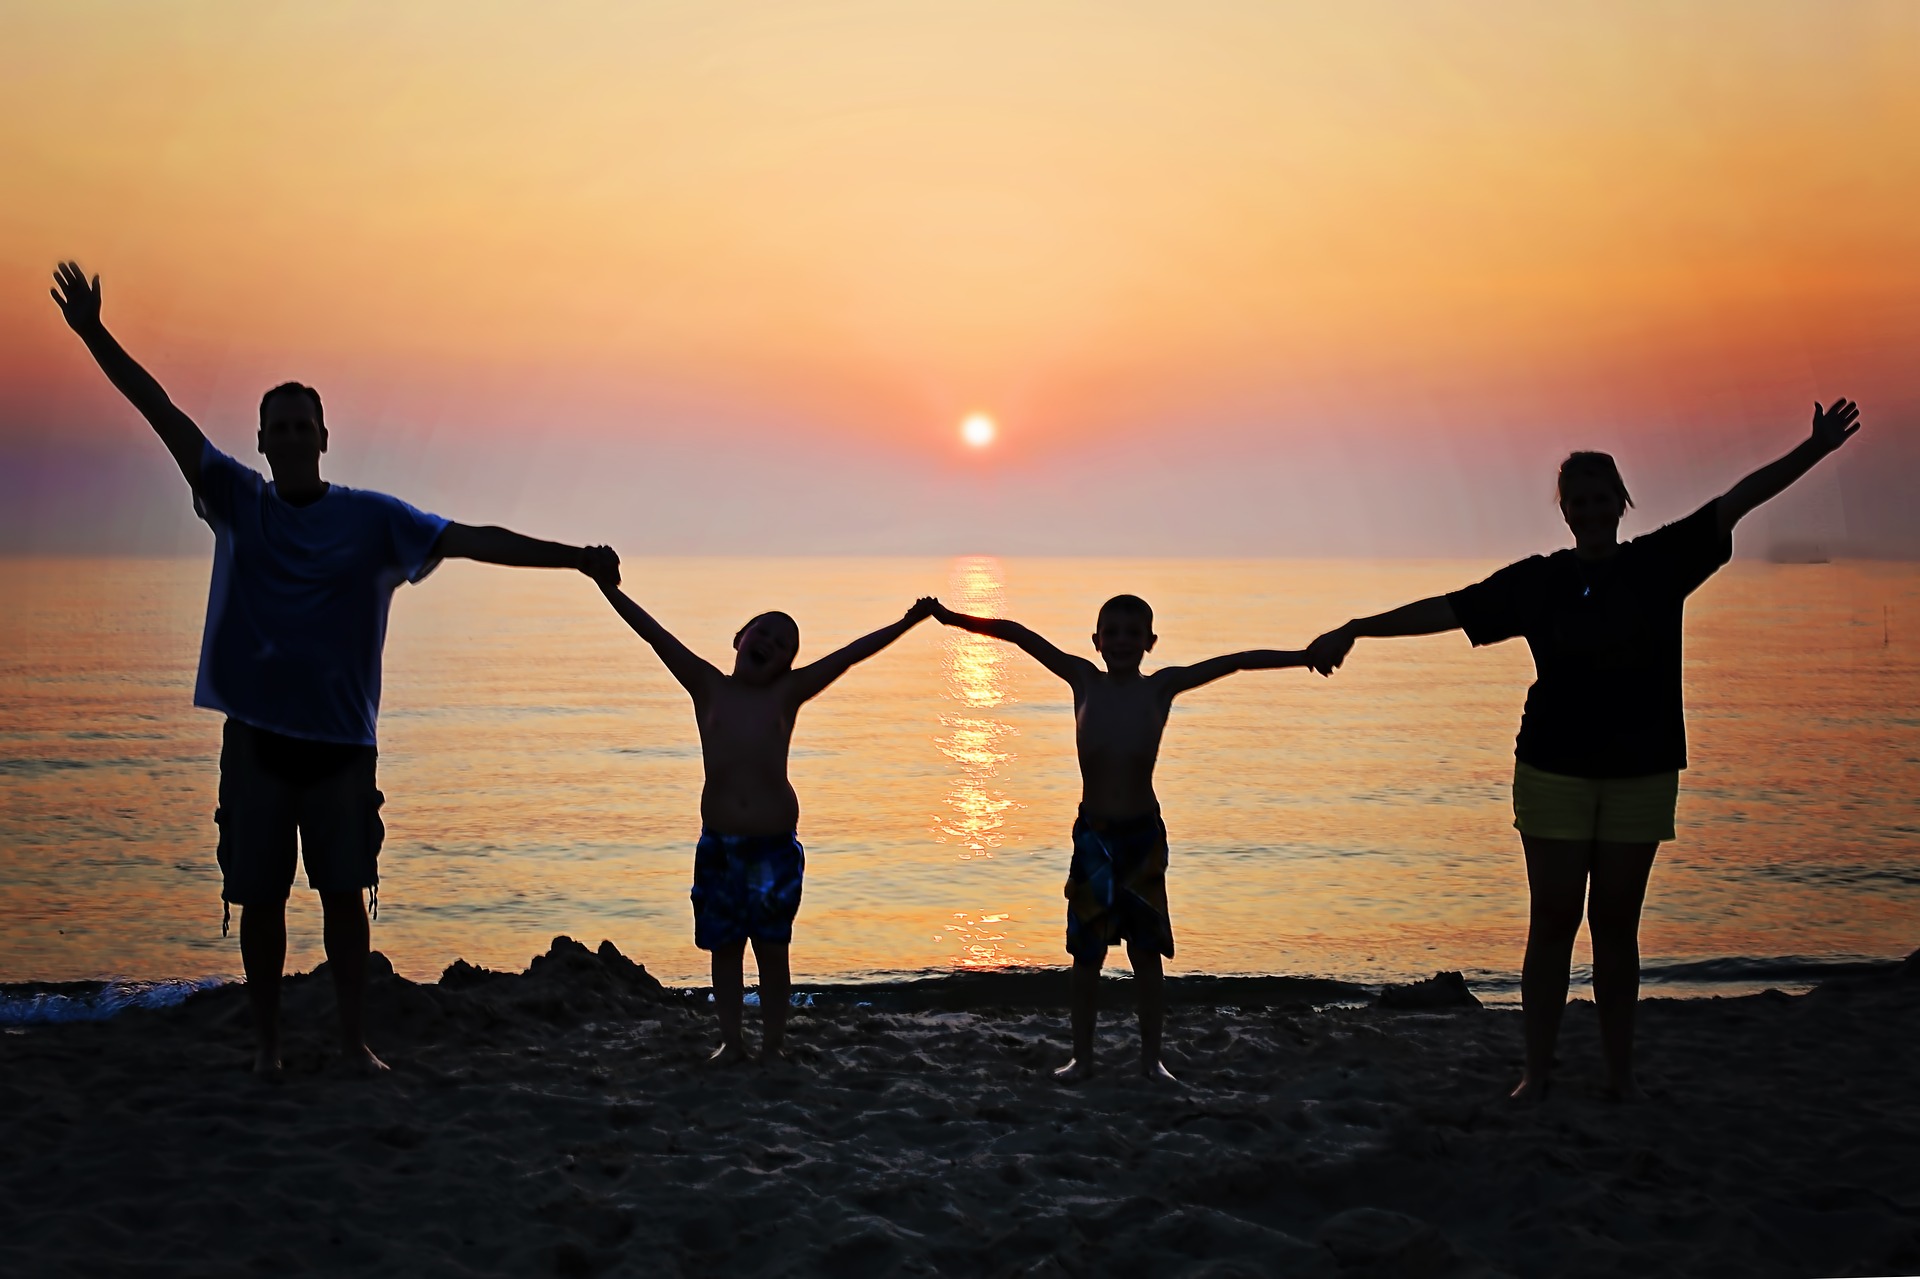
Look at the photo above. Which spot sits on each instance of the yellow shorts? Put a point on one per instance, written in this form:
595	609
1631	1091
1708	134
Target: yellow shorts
1611	810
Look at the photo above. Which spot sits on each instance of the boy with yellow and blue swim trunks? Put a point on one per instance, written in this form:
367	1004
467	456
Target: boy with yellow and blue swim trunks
748	867
1117	882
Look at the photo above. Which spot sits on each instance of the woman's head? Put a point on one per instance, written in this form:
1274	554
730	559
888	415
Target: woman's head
1592	496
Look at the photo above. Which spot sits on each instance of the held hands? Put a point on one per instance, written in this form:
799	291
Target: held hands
601	564
925	606
1834	426
1326	653
78	299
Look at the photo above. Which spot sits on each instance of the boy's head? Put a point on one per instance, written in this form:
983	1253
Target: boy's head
765	647
1123	632
293	426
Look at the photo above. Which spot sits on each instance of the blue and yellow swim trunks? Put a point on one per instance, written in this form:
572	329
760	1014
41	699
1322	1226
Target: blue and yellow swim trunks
1117	885
745	888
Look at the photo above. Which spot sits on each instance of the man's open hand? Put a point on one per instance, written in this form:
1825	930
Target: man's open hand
76	296
1832	426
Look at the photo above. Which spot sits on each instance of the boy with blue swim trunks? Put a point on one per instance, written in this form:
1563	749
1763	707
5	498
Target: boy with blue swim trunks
748	866
1117	881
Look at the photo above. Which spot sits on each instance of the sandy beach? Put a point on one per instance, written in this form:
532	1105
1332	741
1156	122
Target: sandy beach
563	1121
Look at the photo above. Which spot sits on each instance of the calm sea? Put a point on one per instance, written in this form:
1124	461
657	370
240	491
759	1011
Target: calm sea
542	773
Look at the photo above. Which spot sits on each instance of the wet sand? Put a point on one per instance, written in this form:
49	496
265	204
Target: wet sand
563	1121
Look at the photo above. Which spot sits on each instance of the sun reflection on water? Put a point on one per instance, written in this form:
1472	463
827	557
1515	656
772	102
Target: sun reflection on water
974	738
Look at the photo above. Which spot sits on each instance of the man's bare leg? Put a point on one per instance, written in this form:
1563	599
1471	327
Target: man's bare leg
263	954
728	989
1084	1003
348	939
776	988
1619	888
1556	885
1150	994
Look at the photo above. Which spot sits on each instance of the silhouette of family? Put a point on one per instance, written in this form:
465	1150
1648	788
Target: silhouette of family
304	572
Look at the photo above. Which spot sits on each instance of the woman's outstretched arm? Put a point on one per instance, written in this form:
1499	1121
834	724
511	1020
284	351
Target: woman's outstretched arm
1429	616
1832	427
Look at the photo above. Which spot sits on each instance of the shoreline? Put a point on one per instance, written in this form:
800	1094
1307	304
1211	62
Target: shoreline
563	1120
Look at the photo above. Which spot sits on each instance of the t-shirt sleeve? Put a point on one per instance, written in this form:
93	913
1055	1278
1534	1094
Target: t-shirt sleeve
1690	550
223	482
1502	606
412	533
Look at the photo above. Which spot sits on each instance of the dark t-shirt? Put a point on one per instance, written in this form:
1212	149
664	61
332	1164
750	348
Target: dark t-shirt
1605	636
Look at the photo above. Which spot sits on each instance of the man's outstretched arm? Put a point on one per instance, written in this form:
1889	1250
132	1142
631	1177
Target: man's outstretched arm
1178	679
1068	667
1832	427
79	301
812	679
1429	616
492	545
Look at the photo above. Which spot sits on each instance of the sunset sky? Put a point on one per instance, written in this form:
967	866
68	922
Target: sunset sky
1230	278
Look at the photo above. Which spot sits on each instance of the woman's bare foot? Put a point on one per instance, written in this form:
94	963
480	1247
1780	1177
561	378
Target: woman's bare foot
1530	1089
1074	1071
1158	1072
729	1054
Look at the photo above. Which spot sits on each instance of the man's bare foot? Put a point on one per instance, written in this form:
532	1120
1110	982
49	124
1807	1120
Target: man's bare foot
1530	1089
1626	1091
1158	1072
728	1054
266	1064
1074	1071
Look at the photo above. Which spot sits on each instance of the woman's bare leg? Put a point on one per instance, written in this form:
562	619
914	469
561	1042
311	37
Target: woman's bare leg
1613	920
1557	887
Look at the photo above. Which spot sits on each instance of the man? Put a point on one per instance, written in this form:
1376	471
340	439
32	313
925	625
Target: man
303	573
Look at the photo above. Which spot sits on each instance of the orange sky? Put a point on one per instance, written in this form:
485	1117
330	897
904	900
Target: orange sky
759	245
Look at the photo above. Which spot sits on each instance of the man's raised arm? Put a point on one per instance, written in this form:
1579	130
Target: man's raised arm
1068	667
491	545
79	301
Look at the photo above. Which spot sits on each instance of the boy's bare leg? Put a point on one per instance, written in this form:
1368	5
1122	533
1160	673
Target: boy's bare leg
1557	887
1084	1000
1150	993
1613	920
776	987
263	954
348	938
728	984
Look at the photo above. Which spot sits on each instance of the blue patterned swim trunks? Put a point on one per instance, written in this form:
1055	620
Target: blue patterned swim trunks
745	888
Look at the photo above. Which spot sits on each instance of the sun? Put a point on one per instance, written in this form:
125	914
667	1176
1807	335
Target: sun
978	430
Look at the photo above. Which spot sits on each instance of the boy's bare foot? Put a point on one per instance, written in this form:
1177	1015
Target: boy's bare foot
1530	1089
1158	1072
359	1060
729	1054
1074	1071
266	1064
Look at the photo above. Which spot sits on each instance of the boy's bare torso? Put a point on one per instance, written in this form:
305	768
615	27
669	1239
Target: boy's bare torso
1119	721
745	731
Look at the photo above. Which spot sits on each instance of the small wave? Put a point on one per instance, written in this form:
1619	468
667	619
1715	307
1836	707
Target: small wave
1795	970
36	1003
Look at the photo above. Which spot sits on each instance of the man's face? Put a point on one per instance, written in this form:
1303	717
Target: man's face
1591	507
766	649
290	431
1123	637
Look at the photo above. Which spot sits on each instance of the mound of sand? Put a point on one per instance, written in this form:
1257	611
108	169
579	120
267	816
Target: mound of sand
563	1121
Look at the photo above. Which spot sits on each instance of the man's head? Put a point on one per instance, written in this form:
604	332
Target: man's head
764	649
293	428
1123	632
1593	497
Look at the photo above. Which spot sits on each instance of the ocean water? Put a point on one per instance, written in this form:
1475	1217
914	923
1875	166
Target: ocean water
542	774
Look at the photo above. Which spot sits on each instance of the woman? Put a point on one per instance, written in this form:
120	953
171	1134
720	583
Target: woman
1602	741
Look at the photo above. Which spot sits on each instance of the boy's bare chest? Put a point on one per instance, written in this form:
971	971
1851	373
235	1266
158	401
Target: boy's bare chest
1129	715
744	718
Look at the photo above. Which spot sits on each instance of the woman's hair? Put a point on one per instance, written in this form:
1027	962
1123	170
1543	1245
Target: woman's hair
1599	466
